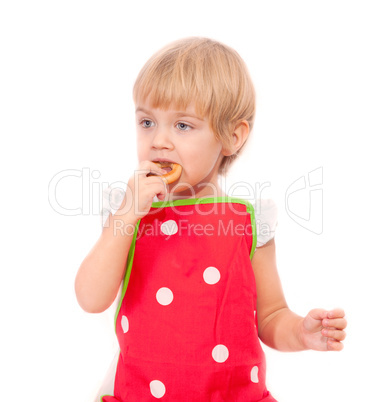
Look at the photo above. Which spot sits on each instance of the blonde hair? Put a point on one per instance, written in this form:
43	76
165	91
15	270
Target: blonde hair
208	73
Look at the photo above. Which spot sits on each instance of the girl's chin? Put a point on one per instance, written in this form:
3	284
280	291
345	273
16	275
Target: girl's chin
180	188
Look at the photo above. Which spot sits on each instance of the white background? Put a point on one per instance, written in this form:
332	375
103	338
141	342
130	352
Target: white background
67	70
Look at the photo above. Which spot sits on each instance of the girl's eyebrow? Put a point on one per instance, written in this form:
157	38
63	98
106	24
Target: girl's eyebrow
177	114
184	114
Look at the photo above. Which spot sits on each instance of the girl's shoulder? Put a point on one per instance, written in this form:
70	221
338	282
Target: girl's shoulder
112	200
266	218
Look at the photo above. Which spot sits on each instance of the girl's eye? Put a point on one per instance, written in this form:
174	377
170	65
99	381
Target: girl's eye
183	126
146	123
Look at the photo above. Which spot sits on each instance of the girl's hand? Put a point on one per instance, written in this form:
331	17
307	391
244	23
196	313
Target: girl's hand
141	190
323	330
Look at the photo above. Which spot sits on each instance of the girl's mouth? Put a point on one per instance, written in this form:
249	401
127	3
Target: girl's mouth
166	168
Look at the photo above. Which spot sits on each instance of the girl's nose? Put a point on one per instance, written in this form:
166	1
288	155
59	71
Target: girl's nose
162	139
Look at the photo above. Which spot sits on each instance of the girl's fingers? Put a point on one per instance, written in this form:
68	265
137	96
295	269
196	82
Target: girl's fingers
336	313
334	333
329	316
152	171
148	167
338	323
334	345
318	313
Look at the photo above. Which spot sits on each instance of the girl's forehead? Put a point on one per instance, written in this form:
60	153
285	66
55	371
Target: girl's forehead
170	99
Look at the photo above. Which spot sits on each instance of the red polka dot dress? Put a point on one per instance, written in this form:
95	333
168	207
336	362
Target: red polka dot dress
186	323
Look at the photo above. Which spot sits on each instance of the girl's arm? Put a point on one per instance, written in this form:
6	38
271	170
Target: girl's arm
278	326
101	272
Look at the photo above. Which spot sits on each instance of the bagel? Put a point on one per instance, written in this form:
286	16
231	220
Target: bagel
173	174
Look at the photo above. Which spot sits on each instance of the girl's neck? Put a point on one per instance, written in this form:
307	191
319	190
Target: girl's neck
204	190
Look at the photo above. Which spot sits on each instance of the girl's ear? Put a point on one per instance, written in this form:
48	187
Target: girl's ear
239	135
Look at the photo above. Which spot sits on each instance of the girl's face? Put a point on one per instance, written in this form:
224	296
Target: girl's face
183	137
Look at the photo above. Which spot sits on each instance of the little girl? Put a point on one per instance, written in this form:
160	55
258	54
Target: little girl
199	286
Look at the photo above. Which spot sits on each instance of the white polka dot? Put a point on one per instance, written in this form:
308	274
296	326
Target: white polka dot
211	275
169	227
164	296
254	374
157	389
220	353
124	323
